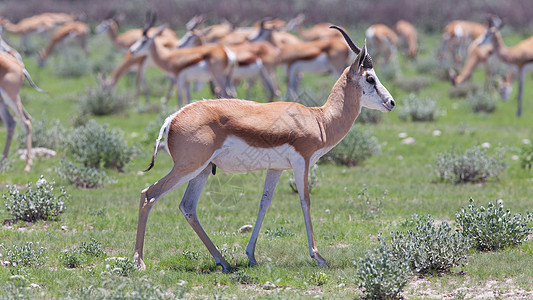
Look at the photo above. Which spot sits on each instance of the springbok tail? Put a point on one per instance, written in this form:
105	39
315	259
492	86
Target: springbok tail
162	131
27	75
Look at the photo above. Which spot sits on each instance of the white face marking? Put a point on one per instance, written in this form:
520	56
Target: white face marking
375	95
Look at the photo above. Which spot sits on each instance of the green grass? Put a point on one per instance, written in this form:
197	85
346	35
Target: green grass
173	253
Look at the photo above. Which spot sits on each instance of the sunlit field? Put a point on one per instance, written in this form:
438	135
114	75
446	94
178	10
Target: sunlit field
351	206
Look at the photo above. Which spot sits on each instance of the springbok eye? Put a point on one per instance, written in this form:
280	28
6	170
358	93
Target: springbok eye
371	80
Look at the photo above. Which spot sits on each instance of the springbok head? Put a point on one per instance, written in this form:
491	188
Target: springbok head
494	24
142	46
375	95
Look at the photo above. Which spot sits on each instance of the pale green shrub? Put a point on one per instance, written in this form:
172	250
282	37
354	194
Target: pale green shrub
381	275
36	203
101	102
481	101
81	176
417	109
24	256
358	145
493	227
475	165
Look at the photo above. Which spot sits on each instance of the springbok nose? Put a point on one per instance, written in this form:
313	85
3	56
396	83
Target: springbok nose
392	103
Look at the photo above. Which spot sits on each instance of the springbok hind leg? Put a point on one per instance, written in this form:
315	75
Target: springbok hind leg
188	208
301	174
149	197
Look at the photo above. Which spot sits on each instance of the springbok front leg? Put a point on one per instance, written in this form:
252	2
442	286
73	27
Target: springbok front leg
301	176
188	208
10	125
521	78
149	197
271	180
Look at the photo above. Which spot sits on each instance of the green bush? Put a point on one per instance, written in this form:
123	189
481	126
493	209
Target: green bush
369	116
430	248
475	165
74	63
413	84
100	102
121	266
92	248
481	101
279	232
319	278
526	156
358	145
44	134
243	278
493	228
381	275
24	256
464	89
95	145
71	259
37	203
417	109
81	176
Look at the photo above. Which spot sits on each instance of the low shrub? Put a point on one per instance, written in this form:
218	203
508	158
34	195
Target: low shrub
121	266
318	278
24	256
44	134
71	259
413	84
100	102
81	176
475	165
429	248
464	89
313	180
381	275
428	65
481	101
526	156
74	63
493	228
279	232
243	278
92	248
36	203
417	109
369	116
369	206
5	164
358	145
95	145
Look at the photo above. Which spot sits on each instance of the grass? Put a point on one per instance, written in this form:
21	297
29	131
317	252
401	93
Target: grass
175	256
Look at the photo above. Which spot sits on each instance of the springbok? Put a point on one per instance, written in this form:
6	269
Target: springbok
384	41
407	32
455	38
477	54
519	56
78	30
40	24
284	135
202	63
320	56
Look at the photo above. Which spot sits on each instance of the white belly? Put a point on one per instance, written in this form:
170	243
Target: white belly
245	72
198	72
237	156
320	64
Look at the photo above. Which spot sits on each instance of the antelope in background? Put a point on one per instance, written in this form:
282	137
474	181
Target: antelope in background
519	56
218	133
203	63
455	38
77	30
383	41
407	32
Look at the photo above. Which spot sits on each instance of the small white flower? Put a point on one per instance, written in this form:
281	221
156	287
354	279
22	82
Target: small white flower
515	157
485	145
526	141
399	157
437	133
402	135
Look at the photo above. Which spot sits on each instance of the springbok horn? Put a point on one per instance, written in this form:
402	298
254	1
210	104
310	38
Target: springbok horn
352	45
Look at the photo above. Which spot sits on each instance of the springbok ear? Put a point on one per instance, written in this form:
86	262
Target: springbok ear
359	60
